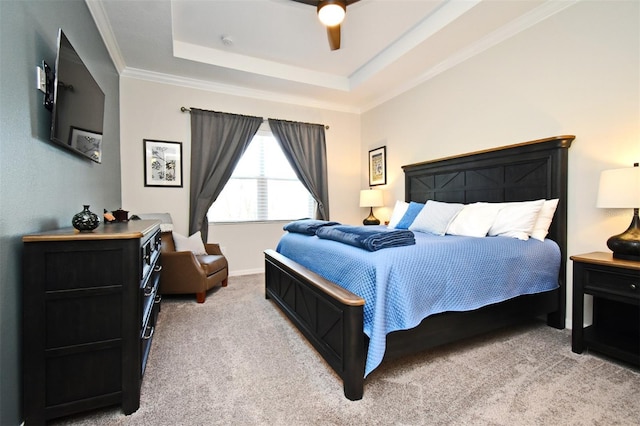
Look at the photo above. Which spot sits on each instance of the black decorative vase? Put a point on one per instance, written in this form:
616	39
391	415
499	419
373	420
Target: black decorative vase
85	220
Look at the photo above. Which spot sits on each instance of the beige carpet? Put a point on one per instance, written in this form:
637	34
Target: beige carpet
236	360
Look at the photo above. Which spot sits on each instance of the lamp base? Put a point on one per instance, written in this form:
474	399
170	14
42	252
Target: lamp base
627	245
371	219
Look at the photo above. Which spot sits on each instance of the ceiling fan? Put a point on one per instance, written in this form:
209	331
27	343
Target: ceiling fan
331	13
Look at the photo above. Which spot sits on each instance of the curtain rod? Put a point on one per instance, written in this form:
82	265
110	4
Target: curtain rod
264	120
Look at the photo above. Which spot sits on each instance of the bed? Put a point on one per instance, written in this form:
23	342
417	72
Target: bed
332	317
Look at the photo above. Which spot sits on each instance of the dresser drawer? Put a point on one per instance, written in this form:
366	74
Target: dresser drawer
148	293
619	283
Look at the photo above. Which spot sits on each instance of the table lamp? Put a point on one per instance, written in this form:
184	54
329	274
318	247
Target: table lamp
620	188
371	198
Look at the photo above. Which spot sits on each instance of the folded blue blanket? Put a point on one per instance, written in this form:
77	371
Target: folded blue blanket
307	226
367	238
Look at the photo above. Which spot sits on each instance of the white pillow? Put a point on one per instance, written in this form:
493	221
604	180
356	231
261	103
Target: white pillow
193	243
541	228
474	220
516	220
435	217
398	211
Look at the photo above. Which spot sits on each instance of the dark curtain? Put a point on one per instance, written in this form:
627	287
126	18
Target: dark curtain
218	140
305	147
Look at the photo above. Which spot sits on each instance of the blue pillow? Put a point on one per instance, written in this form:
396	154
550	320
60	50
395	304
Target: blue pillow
410	215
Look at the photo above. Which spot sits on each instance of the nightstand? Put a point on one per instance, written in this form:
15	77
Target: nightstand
615	287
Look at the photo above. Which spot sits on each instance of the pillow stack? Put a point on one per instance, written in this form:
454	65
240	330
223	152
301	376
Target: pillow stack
520	220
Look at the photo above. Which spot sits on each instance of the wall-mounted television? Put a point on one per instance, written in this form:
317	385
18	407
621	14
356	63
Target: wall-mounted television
78	104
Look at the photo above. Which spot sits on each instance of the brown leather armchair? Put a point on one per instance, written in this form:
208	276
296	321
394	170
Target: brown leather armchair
184	272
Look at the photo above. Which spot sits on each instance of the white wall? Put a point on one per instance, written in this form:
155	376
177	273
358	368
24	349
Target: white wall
151	110
575	73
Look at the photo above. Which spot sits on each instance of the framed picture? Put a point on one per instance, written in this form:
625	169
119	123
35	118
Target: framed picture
86	143
162	163
378	166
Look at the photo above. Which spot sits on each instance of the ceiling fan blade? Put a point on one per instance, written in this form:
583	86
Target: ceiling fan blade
309	2
334	37
315	2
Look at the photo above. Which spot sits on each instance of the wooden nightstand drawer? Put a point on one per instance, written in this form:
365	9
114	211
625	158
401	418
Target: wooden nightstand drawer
623	284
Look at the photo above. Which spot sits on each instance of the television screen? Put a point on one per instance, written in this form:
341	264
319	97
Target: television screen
78	104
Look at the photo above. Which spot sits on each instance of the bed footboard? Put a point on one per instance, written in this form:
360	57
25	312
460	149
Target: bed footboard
329	316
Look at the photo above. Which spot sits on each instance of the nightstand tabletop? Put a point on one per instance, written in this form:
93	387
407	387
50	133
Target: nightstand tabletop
606	259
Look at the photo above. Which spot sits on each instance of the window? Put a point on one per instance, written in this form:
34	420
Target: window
263	187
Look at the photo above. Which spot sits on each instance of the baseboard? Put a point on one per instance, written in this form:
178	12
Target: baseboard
246	272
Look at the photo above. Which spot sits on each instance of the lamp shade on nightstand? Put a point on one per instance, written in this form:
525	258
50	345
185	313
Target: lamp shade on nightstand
620	189
371	198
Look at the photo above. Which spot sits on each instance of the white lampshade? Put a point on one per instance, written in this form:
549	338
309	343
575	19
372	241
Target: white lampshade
371	198
619	188
331	13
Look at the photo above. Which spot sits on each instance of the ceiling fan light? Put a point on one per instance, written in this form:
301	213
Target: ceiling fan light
331	12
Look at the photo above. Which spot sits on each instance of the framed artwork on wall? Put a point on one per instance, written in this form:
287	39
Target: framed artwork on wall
87	143
378	166
162	163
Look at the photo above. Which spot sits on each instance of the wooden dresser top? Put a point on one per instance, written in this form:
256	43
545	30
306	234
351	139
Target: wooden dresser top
109	231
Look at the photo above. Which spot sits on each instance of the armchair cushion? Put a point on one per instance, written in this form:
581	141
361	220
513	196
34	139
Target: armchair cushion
212	263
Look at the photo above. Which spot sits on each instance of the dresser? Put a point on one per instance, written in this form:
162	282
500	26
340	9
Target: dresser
615	287
90	305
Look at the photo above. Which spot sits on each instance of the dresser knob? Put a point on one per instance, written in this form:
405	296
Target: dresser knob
633	286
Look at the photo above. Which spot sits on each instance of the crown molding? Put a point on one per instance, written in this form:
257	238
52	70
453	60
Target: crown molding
436	21
503	33
228	89
96	9
258	66
537	15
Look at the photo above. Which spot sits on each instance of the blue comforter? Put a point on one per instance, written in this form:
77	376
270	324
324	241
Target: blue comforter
367	237
403	285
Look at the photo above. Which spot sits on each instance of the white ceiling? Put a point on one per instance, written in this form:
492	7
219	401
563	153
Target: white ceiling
279	49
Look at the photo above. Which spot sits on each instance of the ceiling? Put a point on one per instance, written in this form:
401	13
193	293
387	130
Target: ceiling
278	50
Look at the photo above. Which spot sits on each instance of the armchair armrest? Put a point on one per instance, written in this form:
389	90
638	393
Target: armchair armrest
184	258
213	248
181	271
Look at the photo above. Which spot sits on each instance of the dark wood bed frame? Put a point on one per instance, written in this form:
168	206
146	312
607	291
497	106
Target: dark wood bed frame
331	318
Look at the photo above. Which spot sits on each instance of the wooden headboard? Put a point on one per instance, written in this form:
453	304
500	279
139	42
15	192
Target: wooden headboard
520	172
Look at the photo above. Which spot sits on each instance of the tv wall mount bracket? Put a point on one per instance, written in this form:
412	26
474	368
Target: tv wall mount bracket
45	82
